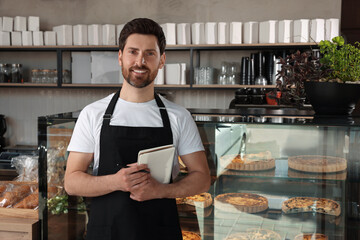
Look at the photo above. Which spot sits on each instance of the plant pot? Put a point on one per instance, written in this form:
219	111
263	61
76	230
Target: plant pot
331	98
271	99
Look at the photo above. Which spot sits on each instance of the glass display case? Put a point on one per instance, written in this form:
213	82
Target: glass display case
61	216
274	175
281	176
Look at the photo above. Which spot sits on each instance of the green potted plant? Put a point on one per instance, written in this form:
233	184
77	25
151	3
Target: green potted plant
339	91
329	82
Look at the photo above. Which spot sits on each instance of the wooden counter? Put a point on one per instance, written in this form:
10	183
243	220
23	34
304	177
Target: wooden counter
19	228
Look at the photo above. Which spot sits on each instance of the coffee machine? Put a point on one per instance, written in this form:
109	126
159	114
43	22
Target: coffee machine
2	132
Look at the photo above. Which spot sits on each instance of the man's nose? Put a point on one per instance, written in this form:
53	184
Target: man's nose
140	60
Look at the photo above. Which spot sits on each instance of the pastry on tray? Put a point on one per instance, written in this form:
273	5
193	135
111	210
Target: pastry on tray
200	200
311	236
241	202
248	162
317	163
187	235
311	204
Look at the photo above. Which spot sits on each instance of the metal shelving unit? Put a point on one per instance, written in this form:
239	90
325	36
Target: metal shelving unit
194	53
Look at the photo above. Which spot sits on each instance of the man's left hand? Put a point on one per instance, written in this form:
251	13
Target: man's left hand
146	190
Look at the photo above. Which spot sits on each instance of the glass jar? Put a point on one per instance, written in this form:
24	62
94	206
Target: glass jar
44	76
7	73
16	73
35	76
66	76
51	76
55	76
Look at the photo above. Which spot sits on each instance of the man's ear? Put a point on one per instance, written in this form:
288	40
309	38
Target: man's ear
162	61
119	58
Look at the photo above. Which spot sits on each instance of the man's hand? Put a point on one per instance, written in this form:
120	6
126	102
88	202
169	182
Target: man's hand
132	175
146	190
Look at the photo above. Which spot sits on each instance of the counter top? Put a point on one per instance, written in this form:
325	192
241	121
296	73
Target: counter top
247	115
271	116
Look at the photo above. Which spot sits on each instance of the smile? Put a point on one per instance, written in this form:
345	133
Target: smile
140	71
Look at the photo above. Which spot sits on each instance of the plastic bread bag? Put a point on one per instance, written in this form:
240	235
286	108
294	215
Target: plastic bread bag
27	168
56	166
15	193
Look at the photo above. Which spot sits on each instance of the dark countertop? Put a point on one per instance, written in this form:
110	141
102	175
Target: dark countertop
271	116
266	115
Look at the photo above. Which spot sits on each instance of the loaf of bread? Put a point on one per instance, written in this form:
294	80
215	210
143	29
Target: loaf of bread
2	188
16	194
32	201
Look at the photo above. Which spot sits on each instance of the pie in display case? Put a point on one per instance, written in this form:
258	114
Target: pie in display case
273	177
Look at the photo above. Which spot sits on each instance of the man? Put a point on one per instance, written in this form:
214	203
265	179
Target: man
127	202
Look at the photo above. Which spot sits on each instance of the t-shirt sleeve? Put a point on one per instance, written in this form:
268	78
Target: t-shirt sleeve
82	139
189	140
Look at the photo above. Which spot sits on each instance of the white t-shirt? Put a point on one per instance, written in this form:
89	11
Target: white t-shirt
86	134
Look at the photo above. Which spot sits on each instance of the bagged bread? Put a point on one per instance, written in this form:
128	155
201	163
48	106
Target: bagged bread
2	188
15	194
32	201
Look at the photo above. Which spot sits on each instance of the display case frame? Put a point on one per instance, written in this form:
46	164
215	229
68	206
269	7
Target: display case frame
204	221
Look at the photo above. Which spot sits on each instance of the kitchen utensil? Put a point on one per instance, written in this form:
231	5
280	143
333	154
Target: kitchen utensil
244	70
260	79
2	125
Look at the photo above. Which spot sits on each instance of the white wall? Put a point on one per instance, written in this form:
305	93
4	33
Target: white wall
23	106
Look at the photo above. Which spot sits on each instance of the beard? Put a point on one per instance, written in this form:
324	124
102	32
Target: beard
137	81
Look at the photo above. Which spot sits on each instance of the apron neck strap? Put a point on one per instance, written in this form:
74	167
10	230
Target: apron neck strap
110	109
163	112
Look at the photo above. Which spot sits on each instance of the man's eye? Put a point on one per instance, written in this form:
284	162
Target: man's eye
151	54
132	52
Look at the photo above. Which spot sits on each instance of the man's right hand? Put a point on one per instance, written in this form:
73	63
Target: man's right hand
129	176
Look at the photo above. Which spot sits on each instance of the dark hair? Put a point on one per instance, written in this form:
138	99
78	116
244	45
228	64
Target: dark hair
142	26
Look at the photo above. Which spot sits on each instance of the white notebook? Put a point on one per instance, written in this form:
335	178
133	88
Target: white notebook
159	160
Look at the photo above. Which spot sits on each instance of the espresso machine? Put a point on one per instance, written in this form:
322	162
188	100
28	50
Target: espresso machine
2	132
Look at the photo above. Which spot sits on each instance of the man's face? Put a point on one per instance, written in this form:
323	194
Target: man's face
141	60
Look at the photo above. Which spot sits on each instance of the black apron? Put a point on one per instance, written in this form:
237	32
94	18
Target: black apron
115	216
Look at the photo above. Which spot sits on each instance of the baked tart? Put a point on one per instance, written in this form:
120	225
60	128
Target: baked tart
311	204
241	202
248	162
187	235
317	163
311	236
200	200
